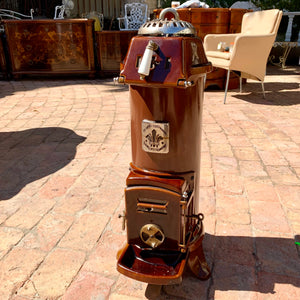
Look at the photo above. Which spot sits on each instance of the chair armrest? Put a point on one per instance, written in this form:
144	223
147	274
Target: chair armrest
251	46
211	41
253	51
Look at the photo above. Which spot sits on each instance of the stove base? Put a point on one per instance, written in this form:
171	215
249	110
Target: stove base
162	267
159	267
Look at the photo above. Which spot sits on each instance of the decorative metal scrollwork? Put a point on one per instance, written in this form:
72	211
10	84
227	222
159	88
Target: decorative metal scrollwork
287	46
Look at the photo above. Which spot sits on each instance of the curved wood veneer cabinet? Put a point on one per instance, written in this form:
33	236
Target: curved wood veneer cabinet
3	66
111	49
50	47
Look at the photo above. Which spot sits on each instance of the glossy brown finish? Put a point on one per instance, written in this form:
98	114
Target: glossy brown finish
174	61
162	186
182	109
3	65
143	265
236	16
218	78
111	49
149	197
210	20
197	261
176	184
157	98
168	219
50	46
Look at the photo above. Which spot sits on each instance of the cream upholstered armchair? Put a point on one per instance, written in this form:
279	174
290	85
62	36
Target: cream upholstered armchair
246	52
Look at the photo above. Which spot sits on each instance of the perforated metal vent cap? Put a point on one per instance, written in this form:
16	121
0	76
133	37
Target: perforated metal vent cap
164	27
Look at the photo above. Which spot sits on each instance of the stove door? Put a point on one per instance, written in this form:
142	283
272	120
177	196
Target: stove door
153	217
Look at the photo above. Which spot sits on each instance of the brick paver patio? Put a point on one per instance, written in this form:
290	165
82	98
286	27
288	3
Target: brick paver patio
64	156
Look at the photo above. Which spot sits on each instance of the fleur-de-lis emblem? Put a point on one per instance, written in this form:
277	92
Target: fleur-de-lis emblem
154	139
155	136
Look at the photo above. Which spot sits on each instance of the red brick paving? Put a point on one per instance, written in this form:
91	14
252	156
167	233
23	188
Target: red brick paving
64	156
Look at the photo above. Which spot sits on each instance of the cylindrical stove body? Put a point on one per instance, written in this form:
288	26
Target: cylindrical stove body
181	110
166	73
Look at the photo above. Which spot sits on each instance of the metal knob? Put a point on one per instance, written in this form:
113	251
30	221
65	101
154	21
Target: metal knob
185	83
123	216
119	80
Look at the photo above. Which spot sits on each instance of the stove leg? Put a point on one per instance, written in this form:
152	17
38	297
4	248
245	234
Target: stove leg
153	291
198	264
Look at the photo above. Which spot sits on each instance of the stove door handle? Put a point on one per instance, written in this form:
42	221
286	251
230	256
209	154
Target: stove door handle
144	68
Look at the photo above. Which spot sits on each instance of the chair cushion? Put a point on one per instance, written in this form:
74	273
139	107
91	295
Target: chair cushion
218	54
259	22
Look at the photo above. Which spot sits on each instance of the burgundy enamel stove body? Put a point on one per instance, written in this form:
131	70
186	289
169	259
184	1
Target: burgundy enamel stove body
165	69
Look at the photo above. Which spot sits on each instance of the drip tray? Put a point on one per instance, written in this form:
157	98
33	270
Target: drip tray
161	267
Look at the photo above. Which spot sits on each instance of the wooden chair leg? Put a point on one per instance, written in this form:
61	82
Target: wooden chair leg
204	81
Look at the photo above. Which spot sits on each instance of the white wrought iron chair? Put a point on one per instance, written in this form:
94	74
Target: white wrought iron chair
59	12
63	9
69	6
135	16
10	14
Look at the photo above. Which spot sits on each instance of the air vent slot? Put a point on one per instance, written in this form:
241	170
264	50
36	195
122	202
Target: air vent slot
157	206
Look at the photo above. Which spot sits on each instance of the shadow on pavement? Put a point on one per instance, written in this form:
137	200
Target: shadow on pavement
285	98
277	93
8	88
28	155
289	70
244	264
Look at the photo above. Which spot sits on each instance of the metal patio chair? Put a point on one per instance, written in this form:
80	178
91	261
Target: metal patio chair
135	16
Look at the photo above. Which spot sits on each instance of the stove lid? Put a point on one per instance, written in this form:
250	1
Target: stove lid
164	27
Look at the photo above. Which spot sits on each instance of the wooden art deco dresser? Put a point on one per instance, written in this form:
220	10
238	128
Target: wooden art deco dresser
49	47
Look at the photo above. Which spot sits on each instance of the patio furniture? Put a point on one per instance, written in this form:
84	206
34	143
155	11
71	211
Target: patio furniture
135	16
14	15
59	12
65	8
111	48
10	14
287	44
50	47
69	6
246	52
3	64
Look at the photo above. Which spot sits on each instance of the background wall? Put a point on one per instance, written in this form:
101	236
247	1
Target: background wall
109	8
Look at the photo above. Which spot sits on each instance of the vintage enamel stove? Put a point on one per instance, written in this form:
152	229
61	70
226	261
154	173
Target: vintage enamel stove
165	69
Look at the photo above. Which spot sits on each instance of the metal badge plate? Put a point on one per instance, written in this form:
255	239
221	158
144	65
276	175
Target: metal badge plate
155	136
